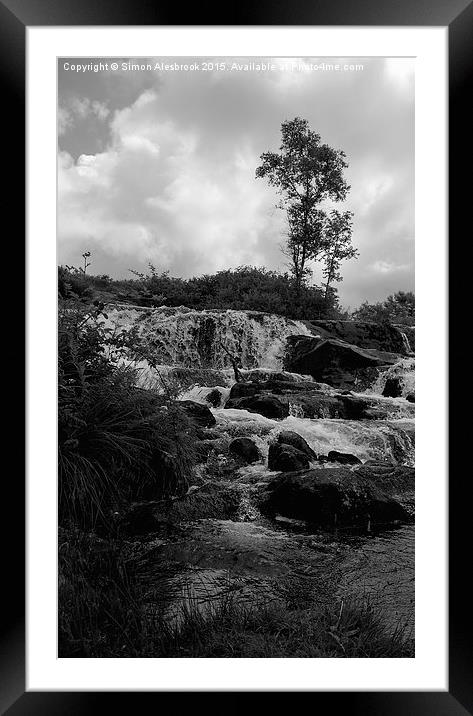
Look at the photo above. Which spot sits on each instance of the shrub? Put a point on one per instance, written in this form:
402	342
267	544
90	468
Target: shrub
246	288
399	308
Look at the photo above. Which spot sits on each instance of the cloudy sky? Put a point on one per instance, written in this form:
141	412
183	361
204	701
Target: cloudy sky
158	165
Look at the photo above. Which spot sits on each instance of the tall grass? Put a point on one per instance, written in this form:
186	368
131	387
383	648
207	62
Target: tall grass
116	441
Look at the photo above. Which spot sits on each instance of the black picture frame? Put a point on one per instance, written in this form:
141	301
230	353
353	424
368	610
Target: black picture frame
15	17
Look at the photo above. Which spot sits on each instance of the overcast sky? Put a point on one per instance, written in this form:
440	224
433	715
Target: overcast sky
159	165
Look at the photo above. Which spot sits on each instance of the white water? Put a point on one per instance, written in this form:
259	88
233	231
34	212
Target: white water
405	340
204	341
366	439
403	369
209	339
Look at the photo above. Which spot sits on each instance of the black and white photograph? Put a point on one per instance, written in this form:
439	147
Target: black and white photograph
236	357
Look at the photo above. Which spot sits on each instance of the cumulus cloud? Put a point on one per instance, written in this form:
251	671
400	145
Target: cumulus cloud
170	177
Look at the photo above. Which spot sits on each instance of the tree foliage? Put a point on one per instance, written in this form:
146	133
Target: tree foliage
397	308
306	173
337	246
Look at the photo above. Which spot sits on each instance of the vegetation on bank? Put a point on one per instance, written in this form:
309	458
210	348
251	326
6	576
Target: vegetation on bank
246	288
116	442
399	309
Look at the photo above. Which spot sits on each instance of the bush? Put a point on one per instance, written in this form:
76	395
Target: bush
246	288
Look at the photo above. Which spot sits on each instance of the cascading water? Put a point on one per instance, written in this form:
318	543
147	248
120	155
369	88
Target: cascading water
404	369
203	343
210	339
366	439
405	340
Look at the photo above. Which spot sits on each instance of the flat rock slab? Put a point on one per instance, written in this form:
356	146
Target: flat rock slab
334	361
364	334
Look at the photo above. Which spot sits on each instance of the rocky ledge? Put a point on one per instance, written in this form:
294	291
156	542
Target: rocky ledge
277	399
336	362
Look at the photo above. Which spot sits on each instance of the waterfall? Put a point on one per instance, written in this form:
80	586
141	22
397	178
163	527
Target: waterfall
210	339
405	340
403	369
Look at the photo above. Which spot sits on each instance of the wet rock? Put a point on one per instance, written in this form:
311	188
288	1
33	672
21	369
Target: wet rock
397	479
333	496
380	463
331	361
288	437
213	500
354	408
306	399
384	337
266	404
198	413
345	458
246	449
214	398
286	458
244	390
411	397
316	405
392	388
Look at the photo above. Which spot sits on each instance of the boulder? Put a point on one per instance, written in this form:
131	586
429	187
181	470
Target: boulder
380	336
398	480
354	408
330	496
198	413
330	361
288	437
411	397
392	388
266	404
213	500
214	397
286	458
246	449
345	458
245	389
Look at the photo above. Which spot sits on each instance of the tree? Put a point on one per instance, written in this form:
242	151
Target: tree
337	245
305	172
